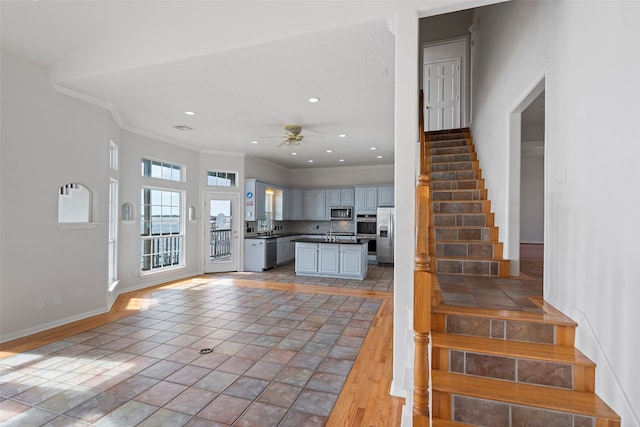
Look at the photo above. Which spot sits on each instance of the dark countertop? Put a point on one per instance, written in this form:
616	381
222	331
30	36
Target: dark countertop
335	242
275	236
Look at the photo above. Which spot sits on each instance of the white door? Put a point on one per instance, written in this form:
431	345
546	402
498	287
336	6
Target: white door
442	94
221	224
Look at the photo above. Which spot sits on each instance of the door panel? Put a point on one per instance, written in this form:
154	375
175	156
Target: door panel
442	97
221	233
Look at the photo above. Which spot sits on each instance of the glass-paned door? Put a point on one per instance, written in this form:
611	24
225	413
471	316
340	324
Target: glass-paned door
221	233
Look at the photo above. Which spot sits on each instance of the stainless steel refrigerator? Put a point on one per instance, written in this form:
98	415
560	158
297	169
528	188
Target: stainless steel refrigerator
385	220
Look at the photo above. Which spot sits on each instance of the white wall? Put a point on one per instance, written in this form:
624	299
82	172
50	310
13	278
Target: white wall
532	195
133	148
345	176
591	234
49	140
266	171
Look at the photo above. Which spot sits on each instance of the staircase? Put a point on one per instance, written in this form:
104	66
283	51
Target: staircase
495	367
462	235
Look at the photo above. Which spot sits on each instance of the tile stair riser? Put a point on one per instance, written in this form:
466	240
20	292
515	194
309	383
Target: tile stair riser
472	184
453	166
518	369
462	220
454	175
448	144
462	149
470	267
466	249
463	207
459	195
453	158
480	234
482	412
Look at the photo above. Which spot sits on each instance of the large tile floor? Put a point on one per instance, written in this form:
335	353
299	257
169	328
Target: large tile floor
277	358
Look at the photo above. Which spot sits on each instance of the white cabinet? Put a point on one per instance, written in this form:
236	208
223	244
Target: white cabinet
385	196
366	200
347	197
255	253
306	258
286	204
351	260
297	204
328	259
314	205
332	260
333	196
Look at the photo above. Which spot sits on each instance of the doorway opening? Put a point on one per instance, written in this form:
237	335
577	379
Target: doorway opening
221	233
525	233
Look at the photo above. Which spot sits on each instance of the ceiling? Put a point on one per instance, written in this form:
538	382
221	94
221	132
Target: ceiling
246	69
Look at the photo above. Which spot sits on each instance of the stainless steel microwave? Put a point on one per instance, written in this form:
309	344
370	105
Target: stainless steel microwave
341	213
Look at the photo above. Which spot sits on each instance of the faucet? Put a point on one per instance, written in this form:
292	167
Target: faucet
331	236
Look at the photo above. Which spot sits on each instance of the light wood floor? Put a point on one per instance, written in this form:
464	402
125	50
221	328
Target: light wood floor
365	399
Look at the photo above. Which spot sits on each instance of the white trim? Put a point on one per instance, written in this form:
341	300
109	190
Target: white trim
54	324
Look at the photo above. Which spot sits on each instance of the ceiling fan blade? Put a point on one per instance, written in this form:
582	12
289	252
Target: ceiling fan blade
274	136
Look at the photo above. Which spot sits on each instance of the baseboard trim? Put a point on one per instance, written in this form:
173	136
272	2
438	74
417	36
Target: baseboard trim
49	325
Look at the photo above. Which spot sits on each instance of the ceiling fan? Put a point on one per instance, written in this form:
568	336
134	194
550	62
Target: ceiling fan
292	138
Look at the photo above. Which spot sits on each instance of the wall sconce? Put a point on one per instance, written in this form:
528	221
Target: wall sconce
192	213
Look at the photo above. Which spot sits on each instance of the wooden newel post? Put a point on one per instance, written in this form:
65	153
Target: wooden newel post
421	307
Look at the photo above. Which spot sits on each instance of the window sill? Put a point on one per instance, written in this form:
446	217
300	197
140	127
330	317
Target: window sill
77	225
161	270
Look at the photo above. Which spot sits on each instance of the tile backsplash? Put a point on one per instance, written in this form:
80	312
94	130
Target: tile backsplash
303	227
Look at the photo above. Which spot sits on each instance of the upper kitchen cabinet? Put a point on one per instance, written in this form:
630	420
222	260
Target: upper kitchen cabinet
333	197
347	197
297	204
366	200
386	196
314	205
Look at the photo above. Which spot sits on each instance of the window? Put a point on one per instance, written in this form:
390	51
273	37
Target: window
221	179
113	234
161	229
161	170
113	156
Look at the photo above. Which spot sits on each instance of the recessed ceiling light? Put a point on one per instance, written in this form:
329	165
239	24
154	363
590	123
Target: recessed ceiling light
254	142
379	157
314	100
373	148
329	151
190	113
310	161
183	127
341	160
294	154
343	135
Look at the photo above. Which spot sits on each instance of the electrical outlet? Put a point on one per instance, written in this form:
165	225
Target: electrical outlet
57	299
39	303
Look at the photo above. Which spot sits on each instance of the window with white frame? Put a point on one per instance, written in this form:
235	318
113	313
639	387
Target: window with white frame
113	234
113	156
161	170
162	228
221	179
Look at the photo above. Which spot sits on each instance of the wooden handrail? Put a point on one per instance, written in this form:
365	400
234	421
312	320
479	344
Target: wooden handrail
422	288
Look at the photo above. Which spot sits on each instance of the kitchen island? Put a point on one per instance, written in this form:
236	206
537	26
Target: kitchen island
338	258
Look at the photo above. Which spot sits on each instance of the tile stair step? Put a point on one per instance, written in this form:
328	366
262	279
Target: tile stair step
460	142
462	220
474	233
453	158
457	206
462	194
469	184
555	366
468	249
454	175
514	400
461	149
489	267
549	327
453	166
